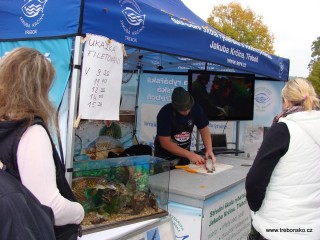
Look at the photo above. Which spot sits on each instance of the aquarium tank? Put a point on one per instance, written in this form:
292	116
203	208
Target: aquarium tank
119	191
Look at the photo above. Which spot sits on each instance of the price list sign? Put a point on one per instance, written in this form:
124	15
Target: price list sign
101	79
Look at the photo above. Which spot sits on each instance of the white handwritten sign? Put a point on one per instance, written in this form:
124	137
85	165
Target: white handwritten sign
101	78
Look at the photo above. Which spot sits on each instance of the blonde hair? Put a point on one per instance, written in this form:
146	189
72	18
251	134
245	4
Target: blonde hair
25	80
301	92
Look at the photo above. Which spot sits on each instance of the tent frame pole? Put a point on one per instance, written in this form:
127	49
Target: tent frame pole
74	98
134	133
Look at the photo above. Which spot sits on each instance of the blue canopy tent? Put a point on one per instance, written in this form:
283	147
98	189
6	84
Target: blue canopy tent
165	27
160	26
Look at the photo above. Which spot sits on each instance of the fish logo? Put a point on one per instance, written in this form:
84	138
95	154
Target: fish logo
32	15
132	17
132	20
262	97
33	7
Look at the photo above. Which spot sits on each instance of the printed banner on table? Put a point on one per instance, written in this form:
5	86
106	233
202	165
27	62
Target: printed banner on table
186	221
227	215
101	79
58	51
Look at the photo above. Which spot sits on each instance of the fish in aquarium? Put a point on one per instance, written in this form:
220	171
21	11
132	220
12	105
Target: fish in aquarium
102	147
100	195
102	198
116	191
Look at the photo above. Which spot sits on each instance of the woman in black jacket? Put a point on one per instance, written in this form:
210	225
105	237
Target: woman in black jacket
26	147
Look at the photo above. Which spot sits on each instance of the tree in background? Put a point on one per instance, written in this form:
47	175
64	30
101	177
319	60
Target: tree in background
242	25
314	65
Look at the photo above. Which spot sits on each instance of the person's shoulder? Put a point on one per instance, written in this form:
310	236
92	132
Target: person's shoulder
166	108
168	105
114	123
165	111
36	129
278	125
117	125
196	108
279	128
36	133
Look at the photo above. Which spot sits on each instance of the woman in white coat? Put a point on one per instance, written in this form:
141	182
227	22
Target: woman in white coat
283	184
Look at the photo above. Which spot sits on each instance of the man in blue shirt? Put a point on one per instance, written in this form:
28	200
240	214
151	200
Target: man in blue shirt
175	123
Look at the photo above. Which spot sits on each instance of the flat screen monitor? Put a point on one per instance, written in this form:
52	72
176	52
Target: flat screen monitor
223	96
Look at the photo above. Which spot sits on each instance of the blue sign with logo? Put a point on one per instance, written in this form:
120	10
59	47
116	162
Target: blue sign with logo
58	51
38	18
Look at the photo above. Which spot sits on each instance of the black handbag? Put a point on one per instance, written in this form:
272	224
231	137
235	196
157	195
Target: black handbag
68	232
22	216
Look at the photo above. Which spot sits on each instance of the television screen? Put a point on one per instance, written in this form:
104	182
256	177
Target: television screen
223	95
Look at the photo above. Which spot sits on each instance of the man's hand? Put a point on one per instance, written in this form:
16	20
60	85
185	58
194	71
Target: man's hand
197	159
211	155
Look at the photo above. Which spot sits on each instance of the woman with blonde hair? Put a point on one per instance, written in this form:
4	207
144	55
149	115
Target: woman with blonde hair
26	147
283	184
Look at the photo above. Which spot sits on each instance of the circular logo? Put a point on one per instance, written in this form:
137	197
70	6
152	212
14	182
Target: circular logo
133	19
262	99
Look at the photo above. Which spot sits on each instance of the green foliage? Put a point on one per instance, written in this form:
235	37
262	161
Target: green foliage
242	25
315	48
314	65
314	76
